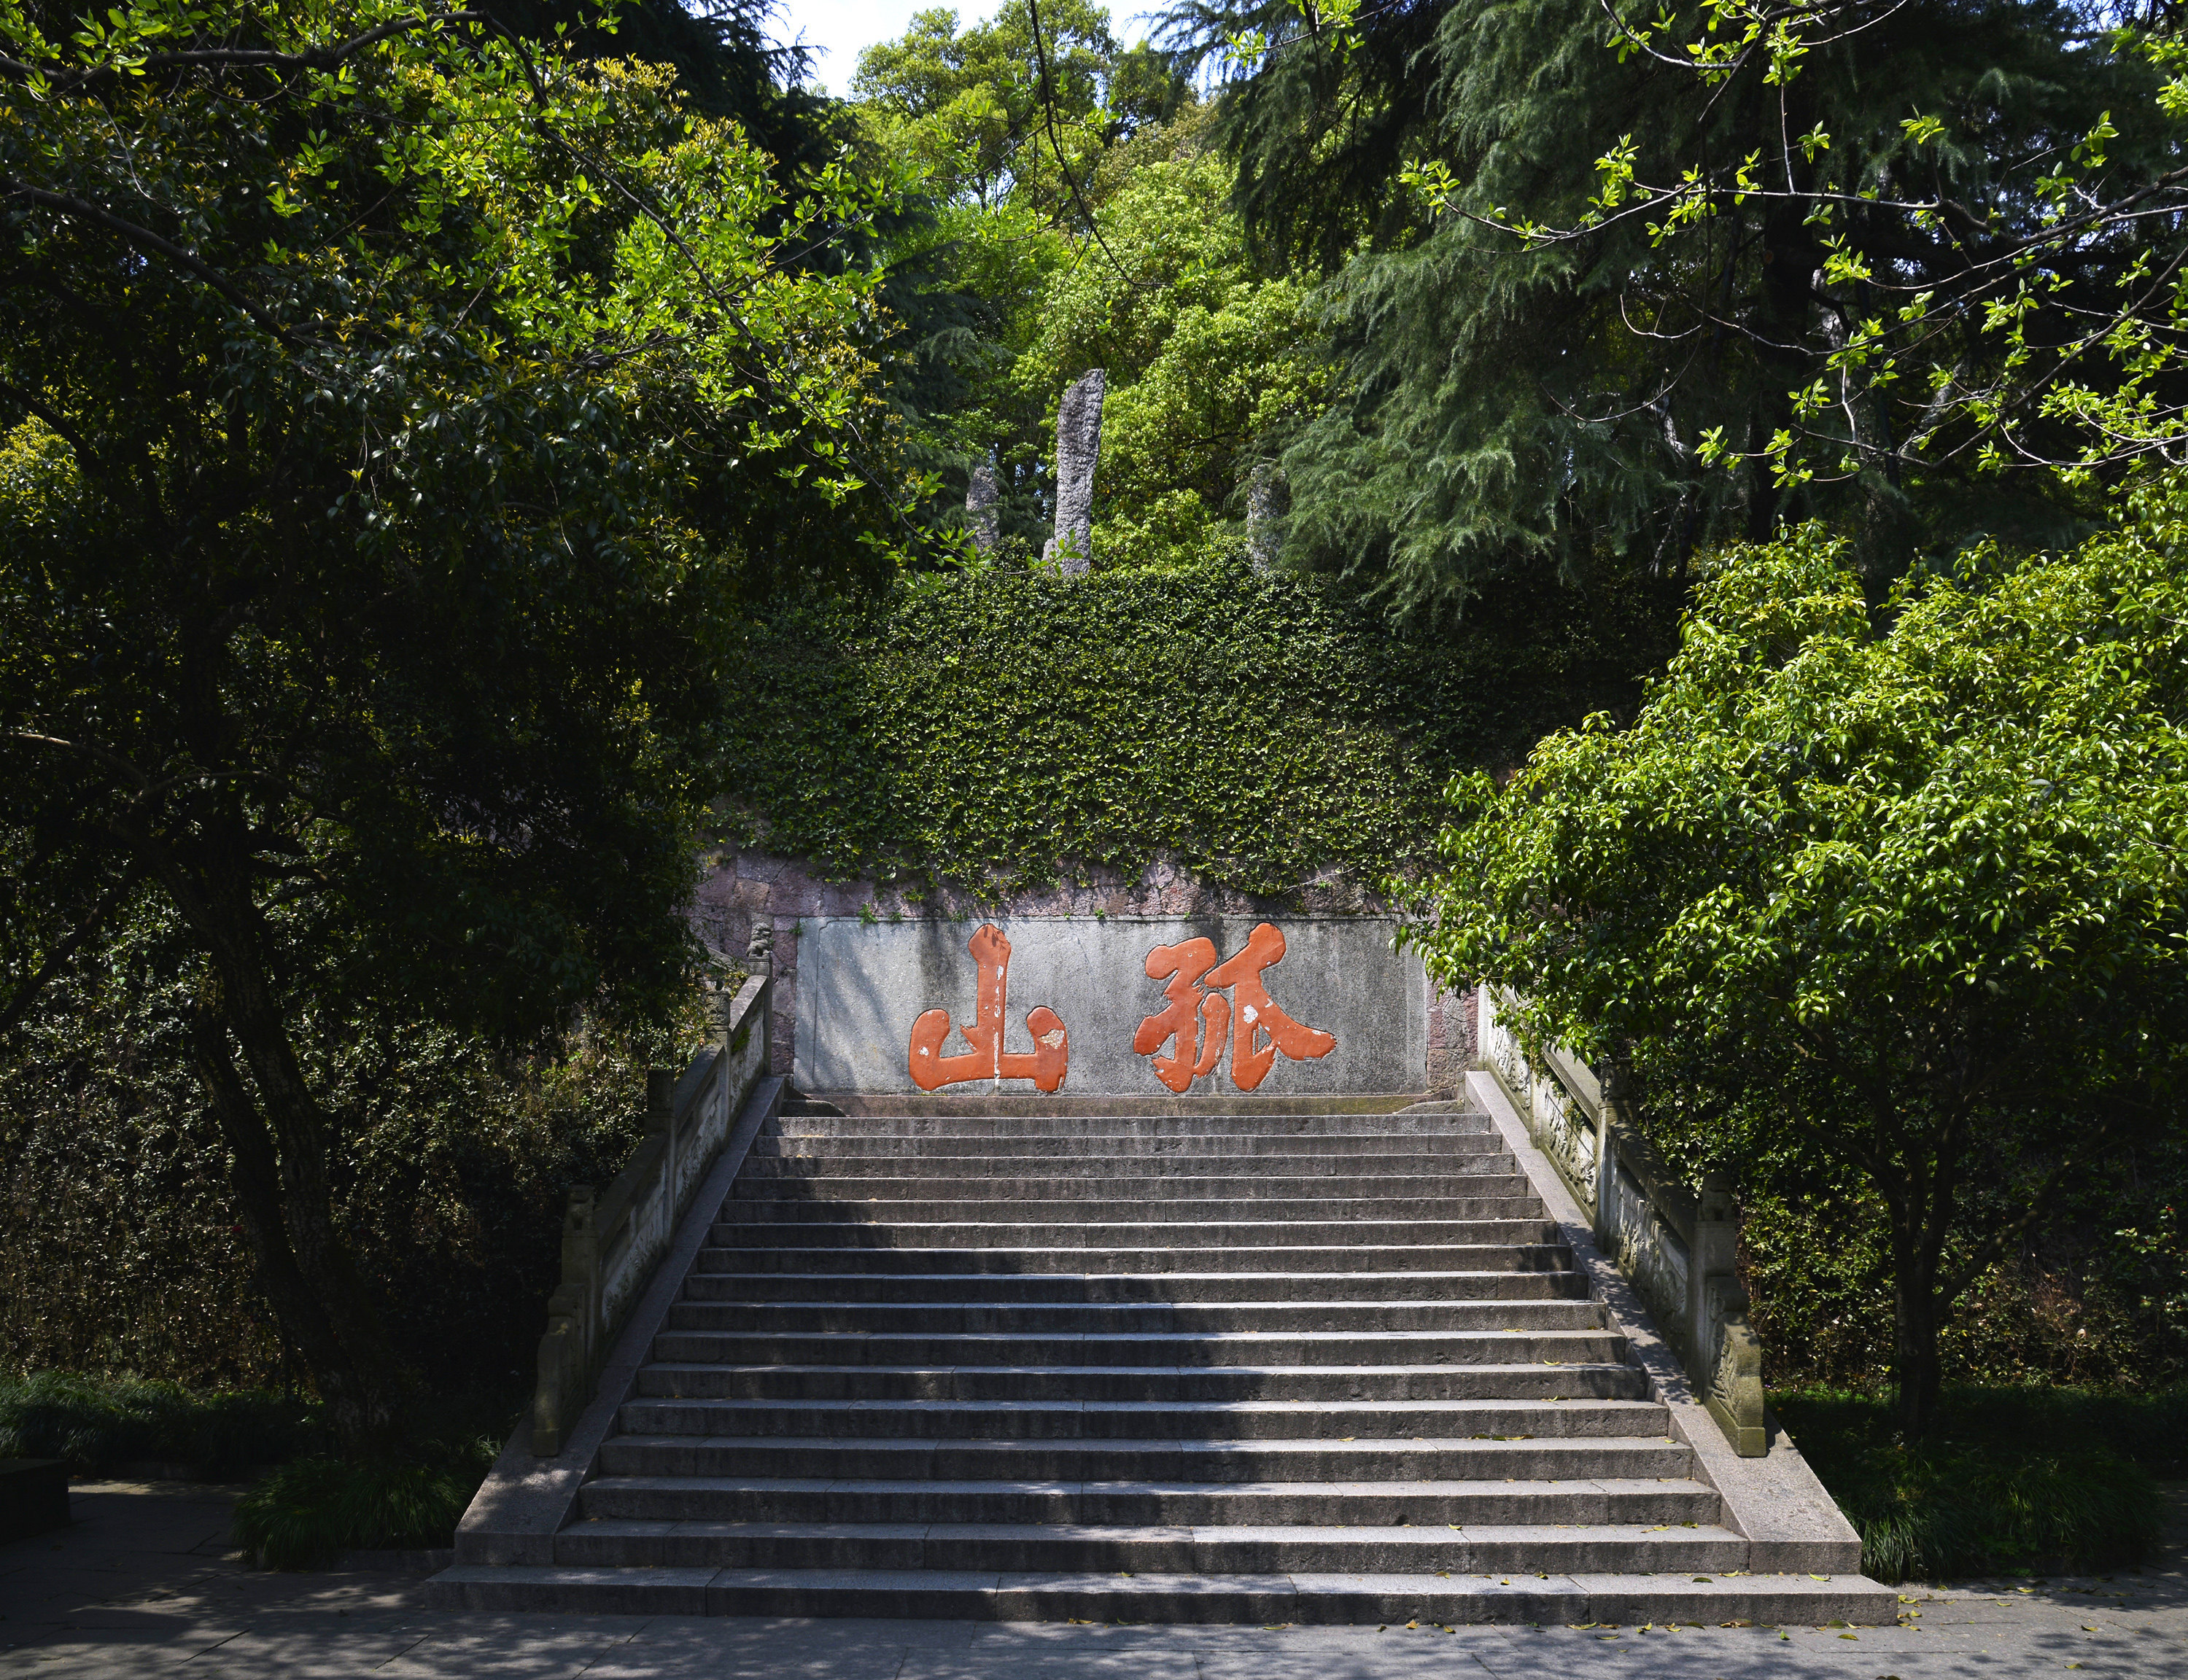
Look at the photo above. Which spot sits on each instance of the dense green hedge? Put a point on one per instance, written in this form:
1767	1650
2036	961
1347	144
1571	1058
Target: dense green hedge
94	1425
1001	728
119	1249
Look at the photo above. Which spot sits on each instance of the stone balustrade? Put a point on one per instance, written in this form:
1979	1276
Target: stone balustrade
1675	1244
612	1239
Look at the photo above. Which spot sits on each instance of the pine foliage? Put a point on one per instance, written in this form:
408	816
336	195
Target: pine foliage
1507	407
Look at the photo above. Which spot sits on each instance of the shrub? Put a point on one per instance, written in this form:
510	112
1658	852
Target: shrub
118	1249
304	1513
94	1425
1994	1489
2094	1297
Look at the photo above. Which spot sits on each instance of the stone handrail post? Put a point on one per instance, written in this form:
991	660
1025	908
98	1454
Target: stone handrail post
1610	1113
1716	1243
1716	1309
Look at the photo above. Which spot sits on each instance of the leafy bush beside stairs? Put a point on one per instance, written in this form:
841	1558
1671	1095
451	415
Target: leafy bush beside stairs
303	1514
96	1423
2014	1481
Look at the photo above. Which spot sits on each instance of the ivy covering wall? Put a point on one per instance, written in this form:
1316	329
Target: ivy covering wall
1004	727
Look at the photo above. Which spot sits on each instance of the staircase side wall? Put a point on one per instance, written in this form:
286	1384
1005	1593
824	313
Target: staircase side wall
526	1499
1773	1501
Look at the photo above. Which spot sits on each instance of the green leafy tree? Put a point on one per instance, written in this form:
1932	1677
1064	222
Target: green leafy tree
727	66
995	116
450	1160
1902	895
391	418
1210	364
1008	142
1995	277
1638	279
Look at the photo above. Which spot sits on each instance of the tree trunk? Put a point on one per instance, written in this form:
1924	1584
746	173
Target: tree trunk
1919	1208
278	1136
254	1175
1915	1347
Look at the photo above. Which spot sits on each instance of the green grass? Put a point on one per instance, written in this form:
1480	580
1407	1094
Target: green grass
95	1423
2012	1480
303	1513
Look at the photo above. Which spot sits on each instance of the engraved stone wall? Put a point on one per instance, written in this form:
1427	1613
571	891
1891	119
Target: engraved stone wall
747	887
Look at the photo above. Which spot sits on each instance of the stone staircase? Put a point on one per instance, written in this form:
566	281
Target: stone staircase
1197	1366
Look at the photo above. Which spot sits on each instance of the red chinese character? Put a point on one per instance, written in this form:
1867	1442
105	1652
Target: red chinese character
1046	1065
1199	1019
1196	1018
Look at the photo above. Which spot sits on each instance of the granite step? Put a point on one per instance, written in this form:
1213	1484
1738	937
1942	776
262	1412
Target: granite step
1368	1242
1514	1598
1214	1384
1425	1347
1530	1248
1274	1458
1125	1289
1406	1148
1031	1215
1648	1502
1209	1178
1091	1130
1116	1318
1137	1548
1362	1422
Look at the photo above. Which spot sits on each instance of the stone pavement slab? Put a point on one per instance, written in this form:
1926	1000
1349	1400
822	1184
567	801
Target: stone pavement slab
145	1586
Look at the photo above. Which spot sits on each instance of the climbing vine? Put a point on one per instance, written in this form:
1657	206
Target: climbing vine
1006	728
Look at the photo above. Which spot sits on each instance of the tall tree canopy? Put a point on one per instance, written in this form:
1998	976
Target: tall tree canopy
727	64
996	112
392	415
1210	362
1010	141
1902	891
1590	264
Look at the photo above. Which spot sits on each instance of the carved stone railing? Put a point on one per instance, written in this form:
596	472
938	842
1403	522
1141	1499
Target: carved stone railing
1676	1246
611	1240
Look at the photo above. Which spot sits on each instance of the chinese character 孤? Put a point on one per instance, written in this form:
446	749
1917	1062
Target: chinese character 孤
1046	1064
1199	1017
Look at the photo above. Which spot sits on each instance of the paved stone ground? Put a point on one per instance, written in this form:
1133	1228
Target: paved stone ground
145	1584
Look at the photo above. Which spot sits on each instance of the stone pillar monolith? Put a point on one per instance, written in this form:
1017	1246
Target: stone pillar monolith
981	513
1078	447
1261	516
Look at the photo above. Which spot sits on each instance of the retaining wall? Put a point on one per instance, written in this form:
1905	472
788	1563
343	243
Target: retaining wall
856	965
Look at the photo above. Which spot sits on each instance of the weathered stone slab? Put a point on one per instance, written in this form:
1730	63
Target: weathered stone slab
1078	452
1262	538
1338	1012
982	513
